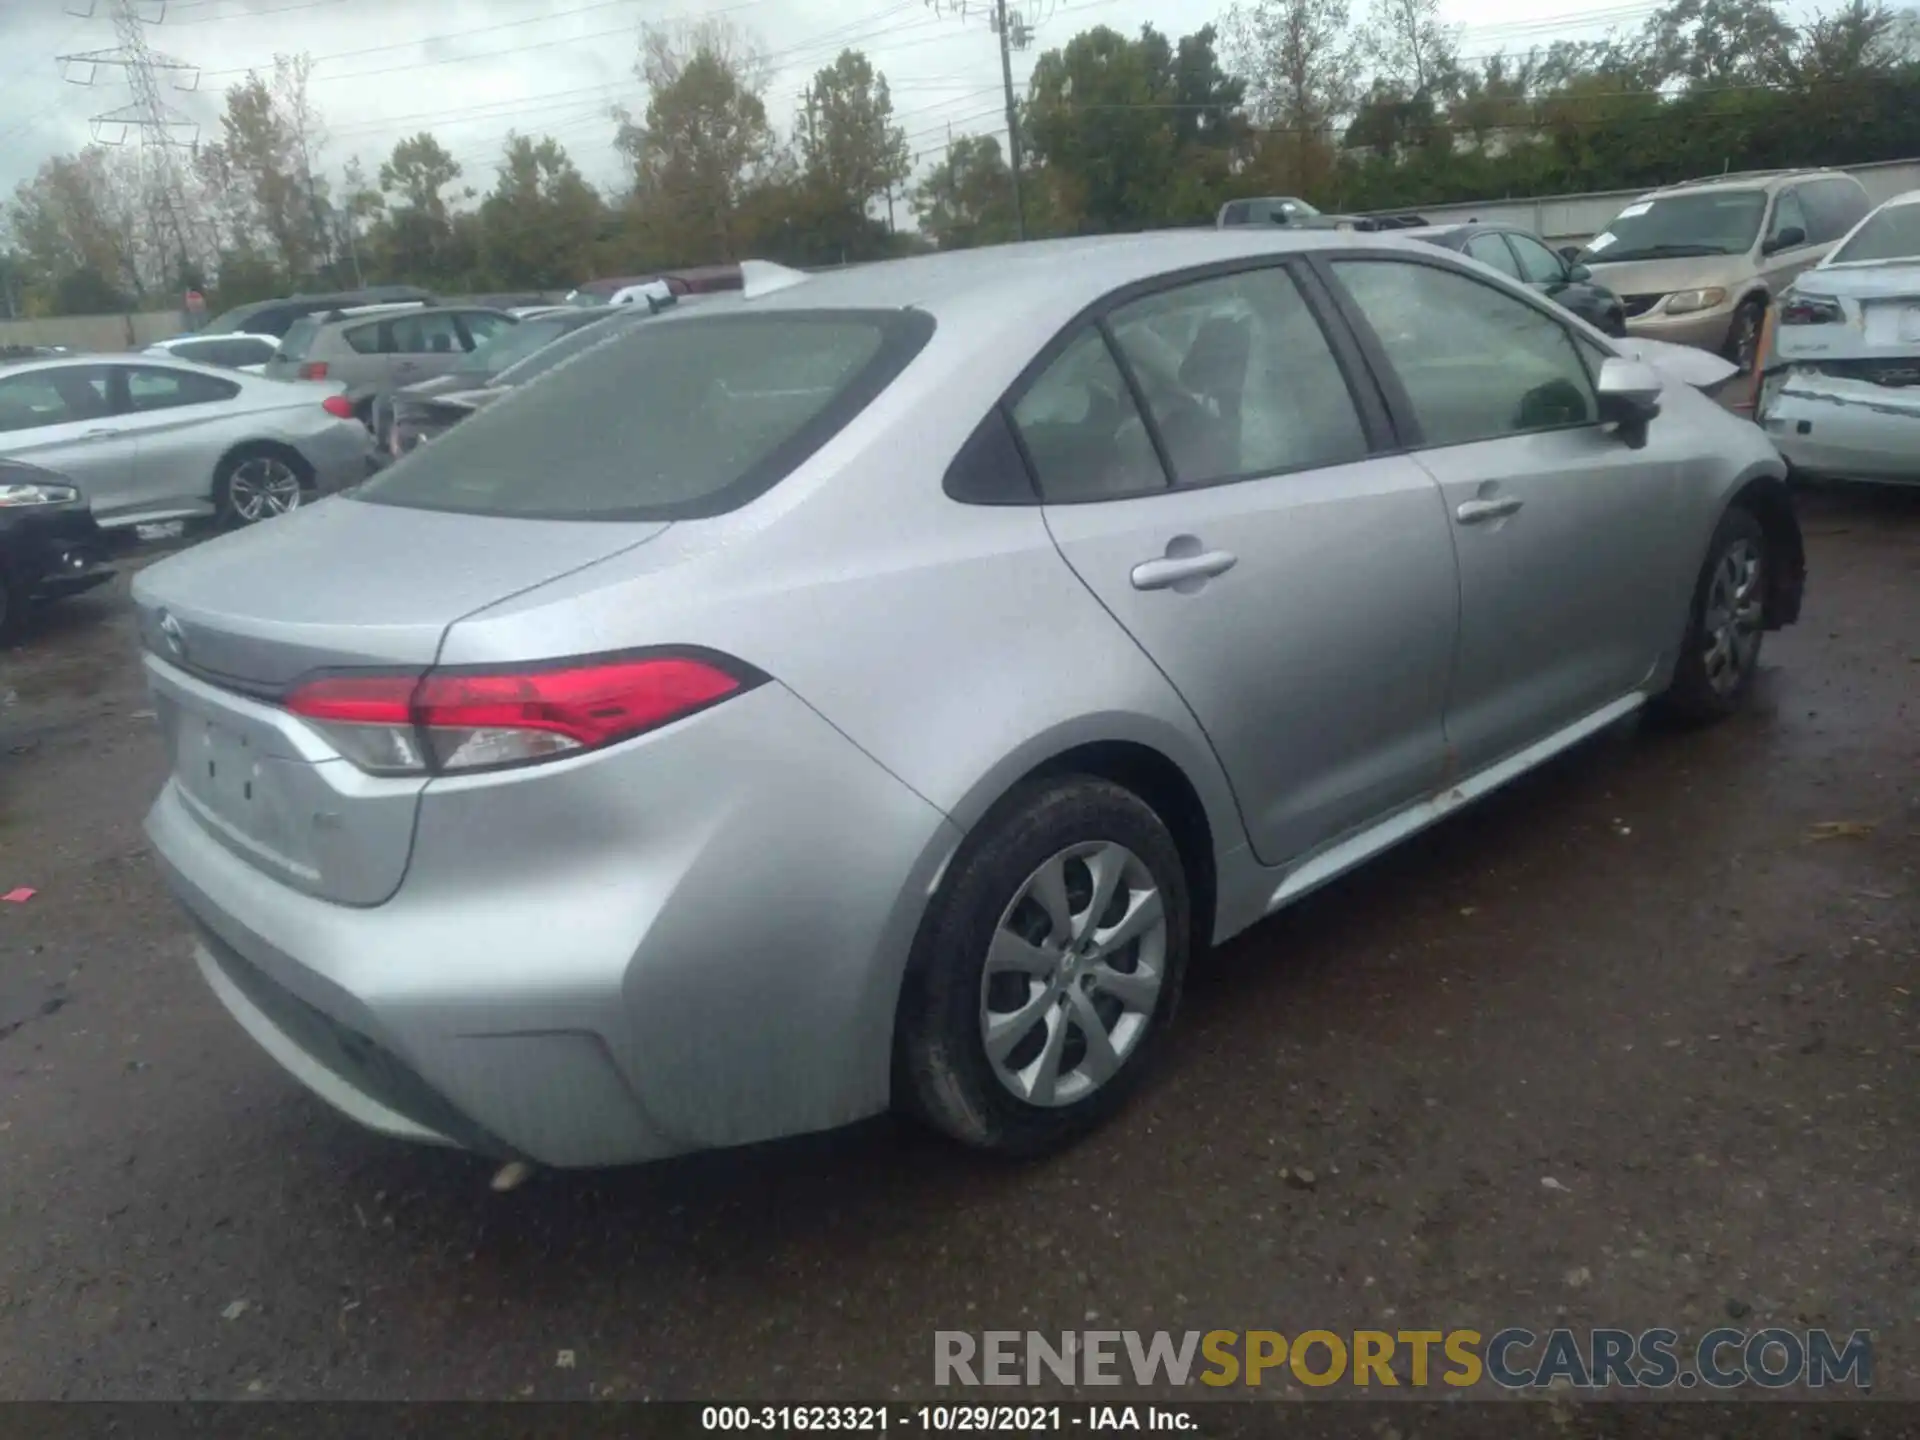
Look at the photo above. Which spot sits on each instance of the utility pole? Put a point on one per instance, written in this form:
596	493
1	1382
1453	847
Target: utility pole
161	128
1013	115
1015	29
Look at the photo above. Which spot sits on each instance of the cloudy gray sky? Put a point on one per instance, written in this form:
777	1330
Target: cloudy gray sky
471	70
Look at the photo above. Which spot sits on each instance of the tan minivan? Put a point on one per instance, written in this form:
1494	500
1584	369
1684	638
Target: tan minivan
1698	263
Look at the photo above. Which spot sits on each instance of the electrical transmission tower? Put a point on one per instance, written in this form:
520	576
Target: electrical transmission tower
162	131
1015	26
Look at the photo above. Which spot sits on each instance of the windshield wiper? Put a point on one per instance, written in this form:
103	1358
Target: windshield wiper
1662	252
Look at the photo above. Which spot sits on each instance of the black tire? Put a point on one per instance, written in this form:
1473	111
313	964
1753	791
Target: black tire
943	1070
1743	335
229	514
1699	692
14	606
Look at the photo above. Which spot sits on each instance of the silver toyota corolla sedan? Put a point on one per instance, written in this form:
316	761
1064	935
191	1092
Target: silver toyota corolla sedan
874	693
150	438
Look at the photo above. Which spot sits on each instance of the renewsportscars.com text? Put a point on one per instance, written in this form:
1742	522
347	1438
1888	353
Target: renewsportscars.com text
1512	1359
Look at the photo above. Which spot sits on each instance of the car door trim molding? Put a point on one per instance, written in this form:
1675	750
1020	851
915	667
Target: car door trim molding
1343	855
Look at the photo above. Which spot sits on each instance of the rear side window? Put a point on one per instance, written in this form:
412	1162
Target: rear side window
1833	207
368	339
674	420
1492	250
1239	378
1891	233
1082	431
298	340
158	389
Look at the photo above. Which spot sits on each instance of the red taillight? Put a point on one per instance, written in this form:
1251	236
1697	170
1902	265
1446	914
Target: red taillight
461	720
338	406
314	370
1811	310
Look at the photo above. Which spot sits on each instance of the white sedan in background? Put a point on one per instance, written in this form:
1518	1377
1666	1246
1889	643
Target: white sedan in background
247	353
1842	394
150	439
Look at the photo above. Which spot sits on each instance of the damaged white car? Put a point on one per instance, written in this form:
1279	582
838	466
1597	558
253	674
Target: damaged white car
1841	393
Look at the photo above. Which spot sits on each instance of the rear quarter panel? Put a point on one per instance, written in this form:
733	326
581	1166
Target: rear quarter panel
949	642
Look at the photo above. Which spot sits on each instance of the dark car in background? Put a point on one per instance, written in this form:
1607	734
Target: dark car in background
1530	260
694	280
50	544
276	317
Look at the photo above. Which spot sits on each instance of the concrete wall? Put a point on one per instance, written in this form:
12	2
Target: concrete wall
92	332
1574	219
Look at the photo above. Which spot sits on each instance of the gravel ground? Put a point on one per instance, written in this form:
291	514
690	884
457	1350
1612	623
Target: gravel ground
1640	974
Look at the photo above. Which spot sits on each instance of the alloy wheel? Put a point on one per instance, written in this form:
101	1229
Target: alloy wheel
1073	974
1735	611
262	487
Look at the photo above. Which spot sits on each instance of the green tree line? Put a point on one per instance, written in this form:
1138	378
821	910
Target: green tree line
1119	132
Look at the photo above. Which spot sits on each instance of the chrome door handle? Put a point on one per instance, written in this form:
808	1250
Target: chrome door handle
1165	573
98	434
1472	512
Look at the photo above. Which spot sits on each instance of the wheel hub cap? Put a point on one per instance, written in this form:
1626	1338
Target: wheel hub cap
1073	974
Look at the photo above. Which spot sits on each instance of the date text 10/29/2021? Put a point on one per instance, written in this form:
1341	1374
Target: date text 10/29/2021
942	1419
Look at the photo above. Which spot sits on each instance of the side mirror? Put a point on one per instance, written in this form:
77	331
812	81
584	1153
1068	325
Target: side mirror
1629	392
1570	253
1788	239
1578	274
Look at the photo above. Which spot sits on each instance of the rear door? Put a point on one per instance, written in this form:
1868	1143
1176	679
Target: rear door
61	417
1211	474
174	413
1565	535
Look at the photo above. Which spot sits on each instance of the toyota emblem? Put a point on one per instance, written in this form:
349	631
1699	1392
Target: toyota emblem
174	634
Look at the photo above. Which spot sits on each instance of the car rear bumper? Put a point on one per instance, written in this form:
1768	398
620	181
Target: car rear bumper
690	940
1844	429
338	454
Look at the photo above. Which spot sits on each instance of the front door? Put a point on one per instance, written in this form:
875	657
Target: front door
1296	587
61	417
1565	535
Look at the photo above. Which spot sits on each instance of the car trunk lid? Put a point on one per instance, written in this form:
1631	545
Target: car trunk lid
231	624
1879	310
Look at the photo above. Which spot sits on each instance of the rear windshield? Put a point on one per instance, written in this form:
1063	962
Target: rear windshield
1889	234
298	340
677	419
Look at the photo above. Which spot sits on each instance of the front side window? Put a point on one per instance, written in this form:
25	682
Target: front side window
1239	378
1083	432
1538	264
1788	214
673	420
1492	250
156	389
1891	233
1476	364
53	397
1710	222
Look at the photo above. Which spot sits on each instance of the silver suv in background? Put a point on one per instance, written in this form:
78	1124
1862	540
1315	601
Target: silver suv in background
370	349
1699	263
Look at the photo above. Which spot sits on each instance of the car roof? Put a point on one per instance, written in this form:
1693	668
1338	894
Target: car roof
1768	180
1050	281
